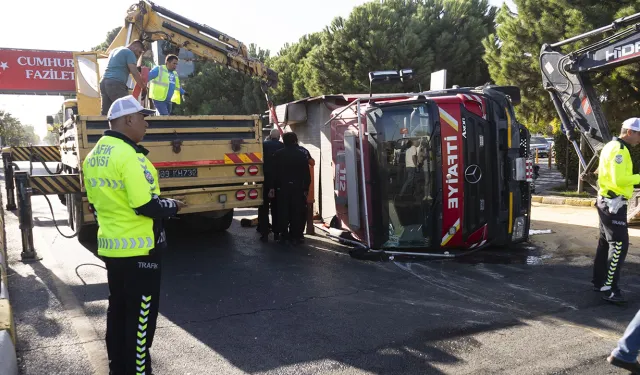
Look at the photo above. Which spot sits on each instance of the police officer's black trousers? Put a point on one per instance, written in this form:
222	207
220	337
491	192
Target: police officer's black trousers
263	214
291	205
134	292
612	246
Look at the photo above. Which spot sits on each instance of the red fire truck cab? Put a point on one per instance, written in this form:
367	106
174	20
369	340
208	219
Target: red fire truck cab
433	171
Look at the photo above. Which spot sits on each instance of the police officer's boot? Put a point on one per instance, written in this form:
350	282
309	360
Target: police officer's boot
615	296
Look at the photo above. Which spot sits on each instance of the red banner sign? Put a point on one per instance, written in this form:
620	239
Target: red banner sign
26	71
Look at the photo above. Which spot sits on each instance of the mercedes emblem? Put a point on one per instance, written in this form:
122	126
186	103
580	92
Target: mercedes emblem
473	174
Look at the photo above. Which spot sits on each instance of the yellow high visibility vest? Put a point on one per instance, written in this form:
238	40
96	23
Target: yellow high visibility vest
119	178
615	170
159	86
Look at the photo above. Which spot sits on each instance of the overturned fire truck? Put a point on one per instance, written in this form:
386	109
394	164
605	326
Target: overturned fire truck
425	173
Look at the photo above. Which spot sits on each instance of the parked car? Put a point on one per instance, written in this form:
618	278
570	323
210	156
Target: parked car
550	141
540	144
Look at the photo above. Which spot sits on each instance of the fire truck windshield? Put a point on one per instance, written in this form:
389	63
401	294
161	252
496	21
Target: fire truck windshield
405	137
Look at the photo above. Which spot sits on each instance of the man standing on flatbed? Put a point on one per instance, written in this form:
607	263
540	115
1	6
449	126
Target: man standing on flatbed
121	62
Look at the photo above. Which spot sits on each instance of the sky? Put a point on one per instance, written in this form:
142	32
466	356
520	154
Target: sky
78	25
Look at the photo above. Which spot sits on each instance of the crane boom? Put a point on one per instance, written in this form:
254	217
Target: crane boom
150	22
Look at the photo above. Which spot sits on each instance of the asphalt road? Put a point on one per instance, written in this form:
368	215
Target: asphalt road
232	305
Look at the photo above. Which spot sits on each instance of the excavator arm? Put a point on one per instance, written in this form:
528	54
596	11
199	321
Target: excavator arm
567	79
149	22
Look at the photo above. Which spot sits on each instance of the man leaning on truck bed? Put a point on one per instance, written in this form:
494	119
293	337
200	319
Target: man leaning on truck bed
121	62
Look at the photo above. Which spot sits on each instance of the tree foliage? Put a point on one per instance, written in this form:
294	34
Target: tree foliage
111	35
290	64
51	139
512	55
53	131
426	35
14	133
216	90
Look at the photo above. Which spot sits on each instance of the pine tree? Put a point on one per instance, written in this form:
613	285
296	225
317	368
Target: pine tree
426	36
512	55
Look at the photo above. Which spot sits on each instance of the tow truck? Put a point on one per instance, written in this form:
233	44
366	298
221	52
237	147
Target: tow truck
567	78
213	162
471	190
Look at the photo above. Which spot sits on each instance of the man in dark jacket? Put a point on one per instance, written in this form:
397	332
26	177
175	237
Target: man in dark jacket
311	162
291	184
270	147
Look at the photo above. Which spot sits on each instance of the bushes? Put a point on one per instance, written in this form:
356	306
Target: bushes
560	144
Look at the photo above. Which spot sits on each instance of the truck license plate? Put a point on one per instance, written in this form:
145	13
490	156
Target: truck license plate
178	172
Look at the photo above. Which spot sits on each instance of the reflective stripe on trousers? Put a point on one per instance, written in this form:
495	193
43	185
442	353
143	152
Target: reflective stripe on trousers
141	340
615	258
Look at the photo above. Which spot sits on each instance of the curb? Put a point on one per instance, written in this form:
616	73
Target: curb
8	361
551	199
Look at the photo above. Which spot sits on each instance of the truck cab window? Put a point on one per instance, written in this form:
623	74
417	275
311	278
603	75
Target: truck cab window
406	159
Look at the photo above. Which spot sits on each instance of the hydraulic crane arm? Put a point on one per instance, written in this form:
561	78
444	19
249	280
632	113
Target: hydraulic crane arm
150	22
566	78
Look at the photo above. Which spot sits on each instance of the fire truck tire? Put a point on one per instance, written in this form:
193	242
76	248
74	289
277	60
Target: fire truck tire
223	223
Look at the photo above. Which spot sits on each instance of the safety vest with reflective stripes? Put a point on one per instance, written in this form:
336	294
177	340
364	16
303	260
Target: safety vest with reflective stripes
119	178
615	170
159	87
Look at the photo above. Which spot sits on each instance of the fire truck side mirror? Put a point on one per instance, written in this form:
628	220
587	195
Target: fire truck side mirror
49	120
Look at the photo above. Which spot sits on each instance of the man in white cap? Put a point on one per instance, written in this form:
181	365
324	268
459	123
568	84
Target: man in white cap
616	180
122	189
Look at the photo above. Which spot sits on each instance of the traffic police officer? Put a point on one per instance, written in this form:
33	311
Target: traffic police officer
616	180
291	183
122	188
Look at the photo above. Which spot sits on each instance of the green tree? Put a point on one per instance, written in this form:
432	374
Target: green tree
289	64
512	55
111	35
426	35
216	90
53	131
52	138
14	133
